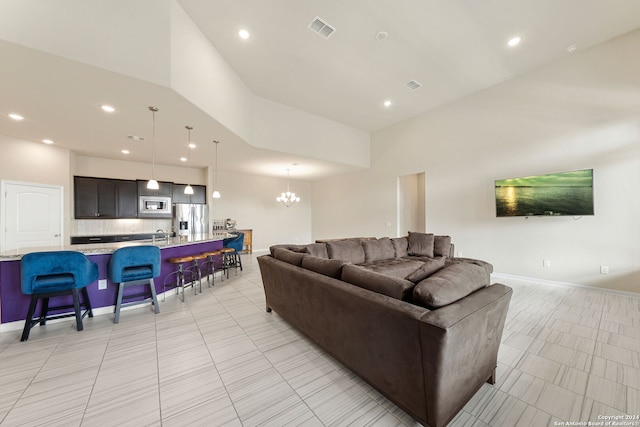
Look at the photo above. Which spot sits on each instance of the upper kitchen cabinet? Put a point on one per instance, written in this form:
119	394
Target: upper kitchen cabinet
165	190
199	195
104	198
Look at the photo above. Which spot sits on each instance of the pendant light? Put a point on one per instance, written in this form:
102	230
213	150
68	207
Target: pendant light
216	193
288	198
153	184
189	189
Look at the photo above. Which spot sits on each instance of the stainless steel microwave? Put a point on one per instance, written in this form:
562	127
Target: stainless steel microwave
154	206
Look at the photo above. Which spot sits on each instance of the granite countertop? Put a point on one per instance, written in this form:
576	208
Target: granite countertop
107	248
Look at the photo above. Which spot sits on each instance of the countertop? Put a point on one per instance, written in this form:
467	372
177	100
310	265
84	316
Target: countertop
107	248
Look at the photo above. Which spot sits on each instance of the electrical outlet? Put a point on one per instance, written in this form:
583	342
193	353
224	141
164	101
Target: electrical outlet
604	269
546	263
102	284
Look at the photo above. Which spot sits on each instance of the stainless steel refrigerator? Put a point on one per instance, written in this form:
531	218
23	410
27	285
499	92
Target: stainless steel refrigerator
190	219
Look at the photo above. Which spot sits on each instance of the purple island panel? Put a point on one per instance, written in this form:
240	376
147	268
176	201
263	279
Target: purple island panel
14	304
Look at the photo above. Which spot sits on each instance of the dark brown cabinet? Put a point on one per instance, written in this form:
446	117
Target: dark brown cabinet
199	195
165	190
104	198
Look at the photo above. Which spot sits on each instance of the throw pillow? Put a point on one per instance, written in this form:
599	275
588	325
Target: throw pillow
386	285
427	269
377	249
441	245
421	244
291	257
449	285
317	249
349	250
401	246
327	267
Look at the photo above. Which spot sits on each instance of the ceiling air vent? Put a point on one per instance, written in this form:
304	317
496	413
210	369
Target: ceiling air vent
320	26
413	85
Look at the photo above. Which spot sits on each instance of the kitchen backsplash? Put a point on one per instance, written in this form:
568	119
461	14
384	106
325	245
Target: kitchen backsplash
98	227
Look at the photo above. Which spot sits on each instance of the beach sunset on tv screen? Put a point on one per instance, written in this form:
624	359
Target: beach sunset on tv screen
554	194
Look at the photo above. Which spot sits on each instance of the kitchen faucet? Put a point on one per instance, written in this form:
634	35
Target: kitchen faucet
165	232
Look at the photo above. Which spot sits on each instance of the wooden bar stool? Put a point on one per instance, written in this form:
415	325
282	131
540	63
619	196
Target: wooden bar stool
179	275
195	269
210	266
230	259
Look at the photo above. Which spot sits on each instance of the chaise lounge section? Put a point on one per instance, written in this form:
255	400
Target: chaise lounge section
428	344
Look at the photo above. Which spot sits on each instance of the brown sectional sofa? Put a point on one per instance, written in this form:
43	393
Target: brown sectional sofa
420	326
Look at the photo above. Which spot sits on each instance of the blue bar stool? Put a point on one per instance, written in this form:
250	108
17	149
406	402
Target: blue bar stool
134	266
44	275
231	252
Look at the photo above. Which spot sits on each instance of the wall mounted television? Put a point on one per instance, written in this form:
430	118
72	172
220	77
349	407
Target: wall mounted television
553	194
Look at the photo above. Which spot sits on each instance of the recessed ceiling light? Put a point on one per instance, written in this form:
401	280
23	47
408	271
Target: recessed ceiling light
15	116
192	145
382	36
244	34
125	151
183	159
107	108
572	48
514	41
47	141
387	103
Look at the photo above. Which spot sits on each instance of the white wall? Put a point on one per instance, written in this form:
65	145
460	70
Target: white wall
251	201
37	163
583	112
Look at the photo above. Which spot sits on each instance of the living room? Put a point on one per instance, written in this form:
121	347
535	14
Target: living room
581	111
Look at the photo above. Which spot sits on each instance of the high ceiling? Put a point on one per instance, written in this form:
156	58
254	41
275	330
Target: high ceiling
453	48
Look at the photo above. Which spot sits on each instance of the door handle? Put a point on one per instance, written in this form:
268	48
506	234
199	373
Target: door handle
56	235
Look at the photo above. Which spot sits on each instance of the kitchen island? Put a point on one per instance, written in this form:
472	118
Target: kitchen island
14	304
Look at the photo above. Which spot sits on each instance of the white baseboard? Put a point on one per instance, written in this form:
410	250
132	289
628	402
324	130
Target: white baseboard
563	284
19	324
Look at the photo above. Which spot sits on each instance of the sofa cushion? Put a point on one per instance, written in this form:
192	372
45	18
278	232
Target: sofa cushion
449	285
377	249
346	250
289	256
421	244
396	267
441	245
391	286
429	267
488	268
317	249
327	267
401	246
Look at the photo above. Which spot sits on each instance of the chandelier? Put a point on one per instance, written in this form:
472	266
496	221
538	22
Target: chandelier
288	198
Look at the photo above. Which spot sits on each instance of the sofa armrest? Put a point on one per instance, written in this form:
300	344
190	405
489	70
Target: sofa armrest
460	346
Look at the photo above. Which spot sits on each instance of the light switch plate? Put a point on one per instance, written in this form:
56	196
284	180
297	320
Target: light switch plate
102	284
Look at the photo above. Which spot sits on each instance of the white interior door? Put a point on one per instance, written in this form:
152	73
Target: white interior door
31	215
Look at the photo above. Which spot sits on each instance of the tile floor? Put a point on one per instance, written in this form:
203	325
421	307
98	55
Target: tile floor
568	354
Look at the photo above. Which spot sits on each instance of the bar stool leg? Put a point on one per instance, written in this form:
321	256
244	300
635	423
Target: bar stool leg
116	317
154	297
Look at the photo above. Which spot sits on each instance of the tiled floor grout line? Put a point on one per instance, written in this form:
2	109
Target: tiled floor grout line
226	389
95	380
